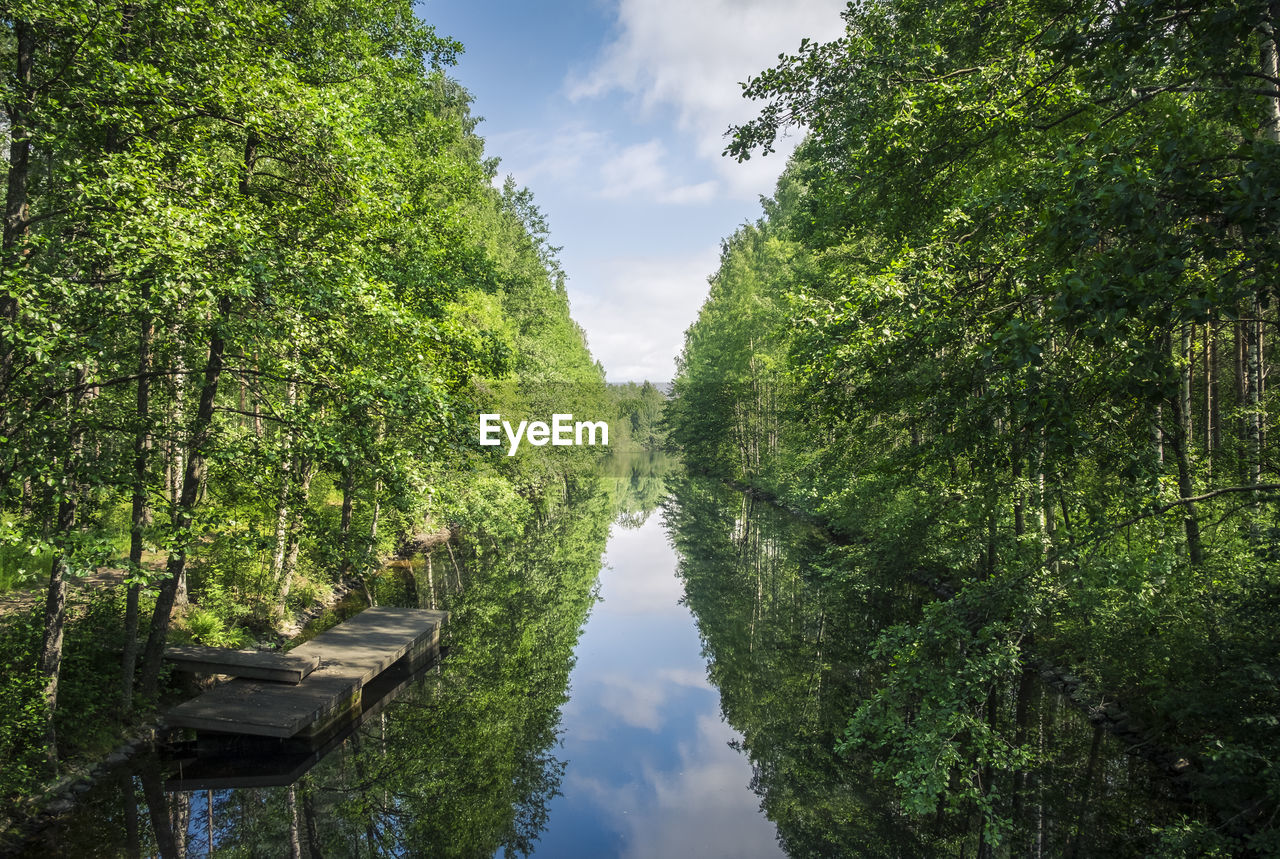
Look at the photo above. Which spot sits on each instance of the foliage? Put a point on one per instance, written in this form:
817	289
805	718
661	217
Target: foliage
1005	327
637	416
22	719
256	284
803	640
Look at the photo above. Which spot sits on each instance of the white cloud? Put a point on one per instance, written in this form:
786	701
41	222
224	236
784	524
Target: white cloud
703	807
637	309
534	156
640	171
634	168
691	55
594	163
702	192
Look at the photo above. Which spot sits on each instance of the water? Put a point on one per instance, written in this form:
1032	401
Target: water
651	767
684	699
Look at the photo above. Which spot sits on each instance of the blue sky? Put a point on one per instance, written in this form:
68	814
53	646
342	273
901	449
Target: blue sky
613	112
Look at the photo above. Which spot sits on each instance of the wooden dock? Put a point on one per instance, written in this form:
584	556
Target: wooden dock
256	665
349	655
225	761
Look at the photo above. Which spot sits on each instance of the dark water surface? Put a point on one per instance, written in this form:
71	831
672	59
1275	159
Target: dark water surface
685	699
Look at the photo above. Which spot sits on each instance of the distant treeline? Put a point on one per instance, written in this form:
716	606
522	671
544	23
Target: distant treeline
638	410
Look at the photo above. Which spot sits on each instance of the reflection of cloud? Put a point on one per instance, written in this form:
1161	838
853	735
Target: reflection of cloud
686	677
639	701
637	310
642	574
703	808
691	55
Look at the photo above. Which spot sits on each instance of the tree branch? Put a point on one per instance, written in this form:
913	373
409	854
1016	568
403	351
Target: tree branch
1164	508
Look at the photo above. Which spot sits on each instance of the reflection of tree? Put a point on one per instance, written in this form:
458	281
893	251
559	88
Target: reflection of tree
782	652
637	481
789	624
461	764
467	768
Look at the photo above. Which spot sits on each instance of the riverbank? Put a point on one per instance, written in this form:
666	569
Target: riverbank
58	796
974	616
473	739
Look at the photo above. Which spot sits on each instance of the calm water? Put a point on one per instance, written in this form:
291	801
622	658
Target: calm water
652	771
684	698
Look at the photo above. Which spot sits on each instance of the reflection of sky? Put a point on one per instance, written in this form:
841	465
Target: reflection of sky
650	771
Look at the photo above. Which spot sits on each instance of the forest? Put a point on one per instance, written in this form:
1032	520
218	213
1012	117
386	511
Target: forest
259	277
970	464
1004	331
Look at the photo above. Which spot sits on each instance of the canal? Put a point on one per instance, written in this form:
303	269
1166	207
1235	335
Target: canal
656	666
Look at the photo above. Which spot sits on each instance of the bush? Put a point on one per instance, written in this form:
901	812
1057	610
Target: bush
22	717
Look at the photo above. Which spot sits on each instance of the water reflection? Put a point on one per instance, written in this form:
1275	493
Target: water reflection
710	687
637	482
788	626
462	763
651	765
220	762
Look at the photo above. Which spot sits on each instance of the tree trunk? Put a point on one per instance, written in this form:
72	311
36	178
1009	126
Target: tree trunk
1027	682
305	473
180	815
141	513
16	207
1253	417
309	815
431	585
257	414
1186	486
55	613
1213	375
373	520
1082	812
55	617
161	823
1184	403
184	514
286	484
1019	497
344	526
1259	384
1157	437
295	839
1270	57
1271	70
1242	384
128	793
175	467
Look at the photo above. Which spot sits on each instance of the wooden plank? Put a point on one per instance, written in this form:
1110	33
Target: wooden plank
271	762
257	665
350	655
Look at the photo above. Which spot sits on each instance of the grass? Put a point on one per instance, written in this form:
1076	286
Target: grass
19	568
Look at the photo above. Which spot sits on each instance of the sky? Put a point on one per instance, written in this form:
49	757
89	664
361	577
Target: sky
613	112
